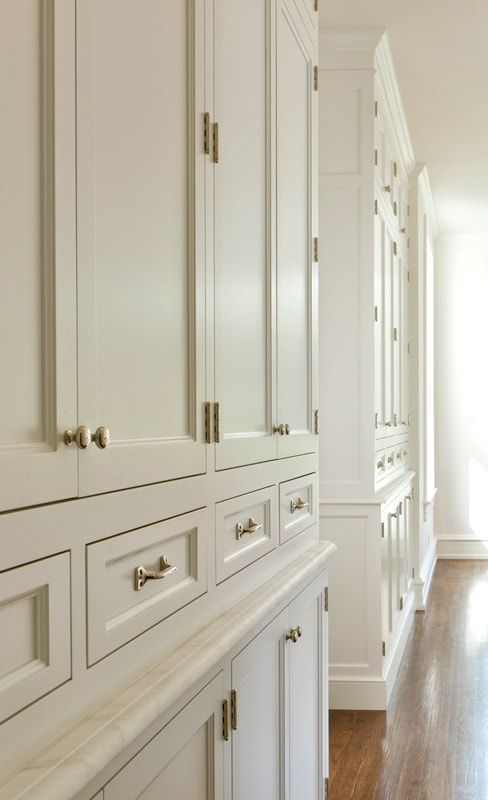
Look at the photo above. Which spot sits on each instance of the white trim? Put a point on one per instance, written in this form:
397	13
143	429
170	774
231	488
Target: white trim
452	547
350	39
428	201
386	71
423	583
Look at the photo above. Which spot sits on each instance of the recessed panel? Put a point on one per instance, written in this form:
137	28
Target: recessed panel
339	126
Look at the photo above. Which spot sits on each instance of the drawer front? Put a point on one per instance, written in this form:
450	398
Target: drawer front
246	529
35	656
380	464
297	506
137	579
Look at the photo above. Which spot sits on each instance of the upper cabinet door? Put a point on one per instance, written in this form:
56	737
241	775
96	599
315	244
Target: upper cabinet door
296	272
37	251
141	242
244	230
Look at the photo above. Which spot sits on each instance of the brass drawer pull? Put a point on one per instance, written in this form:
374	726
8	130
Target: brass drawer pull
380	464
294	634
297	505
252	527
141	575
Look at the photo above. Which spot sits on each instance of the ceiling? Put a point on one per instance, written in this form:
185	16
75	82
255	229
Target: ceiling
440	50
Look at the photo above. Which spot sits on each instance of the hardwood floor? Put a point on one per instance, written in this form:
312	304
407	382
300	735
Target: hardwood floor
432	743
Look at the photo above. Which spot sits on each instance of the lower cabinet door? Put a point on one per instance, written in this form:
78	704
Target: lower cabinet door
184	761
258	724
306	704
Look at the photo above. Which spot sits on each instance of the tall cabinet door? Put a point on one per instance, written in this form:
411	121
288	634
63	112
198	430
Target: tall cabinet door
307	705
380	316
244	230
37	251
141	243
257	741
296	271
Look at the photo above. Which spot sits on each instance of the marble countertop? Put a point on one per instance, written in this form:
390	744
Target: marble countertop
75	759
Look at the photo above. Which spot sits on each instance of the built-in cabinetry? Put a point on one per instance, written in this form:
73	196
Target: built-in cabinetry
365	489
158	231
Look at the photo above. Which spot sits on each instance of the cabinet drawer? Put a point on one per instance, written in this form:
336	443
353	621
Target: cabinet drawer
35	656
245	530
297	506
122	601
380	464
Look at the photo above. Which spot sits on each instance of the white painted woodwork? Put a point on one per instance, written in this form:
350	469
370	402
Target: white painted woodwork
35	631
244	231
365	158
296	103
117	612
293	519
258	678
37	252
185	760
236	550
141	267
305	723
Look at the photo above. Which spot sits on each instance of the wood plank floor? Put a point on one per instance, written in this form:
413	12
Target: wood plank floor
432	743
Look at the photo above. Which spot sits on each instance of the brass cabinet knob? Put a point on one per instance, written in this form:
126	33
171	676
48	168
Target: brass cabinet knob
287	429
82	437
102	437
388	189
403	230
294	634
279	429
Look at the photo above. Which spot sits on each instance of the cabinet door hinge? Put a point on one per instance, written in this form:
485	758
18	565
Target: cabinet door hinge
395	249
233	710
206	133
316	78
326	789
408	348
395	208
413	572
382	530
217	422
208	423
316	421
401	603
376	158
326	598
376	108
395	334
395	169
376	313
376	207
408	276
316	5
225	720
316	249
215	137
383	648
408	211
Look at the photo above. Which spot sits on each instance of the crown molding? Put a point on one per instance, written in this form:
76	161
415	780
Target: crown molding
428	200
386	72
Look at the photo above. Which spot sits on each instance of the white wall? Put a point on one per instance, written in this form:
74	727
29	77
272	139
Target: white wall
461	336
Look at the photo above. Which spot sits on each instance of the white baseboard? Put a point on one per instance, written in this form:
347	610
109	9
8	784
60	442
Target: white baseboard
423	583
353	693
449	547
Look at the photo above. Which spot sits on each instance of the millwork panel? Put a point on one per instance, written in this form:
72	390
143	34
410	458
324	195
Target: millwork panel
35	631
123	599
141	258
298	504
37	230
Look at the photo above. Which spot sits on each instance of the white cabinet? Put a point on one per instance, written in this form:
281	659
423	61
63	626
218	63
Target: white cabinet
37	252
184	761
365	158
141	256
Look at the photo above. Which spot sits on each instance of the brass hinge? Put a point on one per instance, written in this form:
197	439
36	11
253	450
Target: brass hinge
215	136
208	424
408	276
383	645
395	249
395	169
225	720
395	334
316	5
382	530
206	133
376	108
395	208
376	313
326	789
376	158
413	572
233	710
375	206
376	420
316	421
316	249
316	78
217	422
326	598
401	603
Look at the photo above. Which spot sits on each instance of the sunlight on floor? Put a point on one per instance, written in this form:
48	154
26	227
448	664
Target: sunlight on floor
477	613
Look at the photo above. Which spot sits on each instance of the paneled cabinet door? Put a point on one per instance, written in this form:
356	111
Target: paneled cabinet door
184	761
396	333
380	322
405	348
307	705
141	255
244	230
296	271
37	252
257	741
